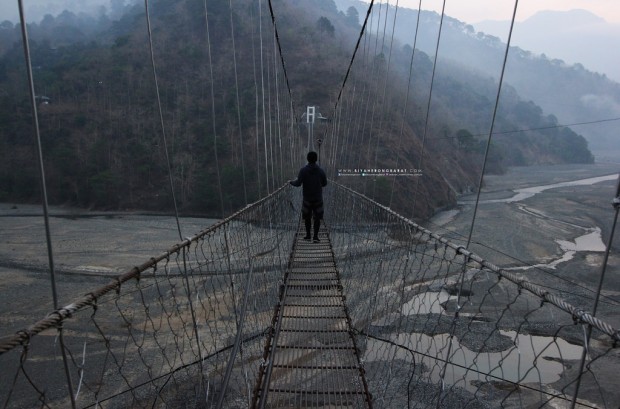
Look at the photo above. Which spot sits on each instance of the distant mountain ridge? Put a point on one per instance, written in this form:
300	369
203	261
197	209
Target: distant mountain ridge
103	148
571	93
576	36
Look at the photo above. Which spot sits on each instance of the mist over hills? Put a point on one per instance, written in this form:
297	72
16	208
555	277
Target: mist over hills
575	36
101	138
580	47
571	93
36	10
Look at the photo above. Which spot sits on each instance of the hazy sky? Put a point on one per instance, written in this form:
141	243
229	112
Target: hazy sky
470	11
36	9
473	11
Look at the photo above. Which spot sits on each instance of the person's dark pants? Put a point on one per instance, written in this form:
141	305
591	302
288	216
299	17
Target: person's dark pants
308	210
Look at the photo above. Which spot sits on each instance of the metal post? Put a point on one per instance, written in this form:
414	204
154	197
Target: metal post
50	253
616	204
310	115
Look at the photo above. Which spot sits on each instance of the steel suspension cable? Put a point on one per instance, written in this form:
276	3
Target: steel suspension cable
359	39
374	67
176	211
234	53
282	61
387	74
39	150
351	119
356	108
161	116
406	104
271	159
486	154
342	127
256	109
495	108
277	93
344	135
241	142
278	53
541	128
292	139
616	204
262	73
213	116
428	107
381	123
375	97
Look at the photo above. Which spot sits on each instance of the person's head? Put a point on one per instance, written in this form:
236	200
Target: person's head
312	157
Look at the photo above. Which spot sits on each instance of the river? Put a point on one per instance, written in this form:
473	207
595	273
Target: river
550	225
526	193
538	212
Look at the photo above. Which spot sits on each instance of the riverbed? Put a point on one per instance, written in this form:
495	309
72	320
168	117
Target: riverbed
549	223
89	249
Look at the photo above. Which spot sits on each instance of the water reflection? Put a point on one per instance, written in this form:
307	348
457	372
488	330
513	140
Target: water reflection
530	359
526	359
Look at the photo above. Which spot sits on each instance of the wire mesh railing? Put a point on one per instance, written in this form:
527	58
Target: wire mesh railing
440	327
168	333
436	326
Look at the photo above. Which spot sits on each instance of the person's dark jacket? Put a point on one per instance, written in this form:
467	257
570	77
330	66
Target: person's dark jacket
312	178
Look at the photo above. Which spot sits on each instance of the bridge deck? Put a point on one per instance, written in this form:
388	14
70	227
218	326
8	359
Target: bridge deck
312	358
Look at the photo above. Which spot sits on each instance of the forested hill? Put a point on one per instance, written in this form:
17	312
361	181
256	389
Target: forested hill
570	92
100	127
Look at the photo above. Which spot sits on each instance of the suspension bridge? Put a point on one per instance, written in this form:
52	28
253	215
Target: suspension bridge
381	313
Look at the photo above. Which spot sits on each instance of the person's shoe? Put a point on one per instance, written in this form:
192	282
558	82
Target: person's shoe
316	239
307	237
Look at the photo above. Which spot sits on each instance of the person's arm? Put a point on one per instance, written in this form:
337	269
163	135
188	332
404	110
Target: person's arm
296	182
323	178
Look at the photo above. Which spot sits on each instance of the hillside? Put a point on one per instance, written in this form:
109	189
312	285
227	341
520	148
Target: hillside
575	36
101	135
571	93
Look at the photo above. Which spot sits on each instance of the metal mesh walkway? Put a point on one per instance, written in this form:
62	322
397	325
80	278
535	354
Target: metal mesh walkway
311	359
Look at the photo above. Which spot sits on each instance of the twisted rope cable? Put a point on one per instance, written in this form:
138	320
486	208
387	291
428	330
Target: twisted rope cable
578	314
55	318
277	35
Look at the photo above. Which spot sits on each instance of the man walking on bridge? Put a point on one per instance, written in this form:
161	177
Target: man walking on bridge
313	179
